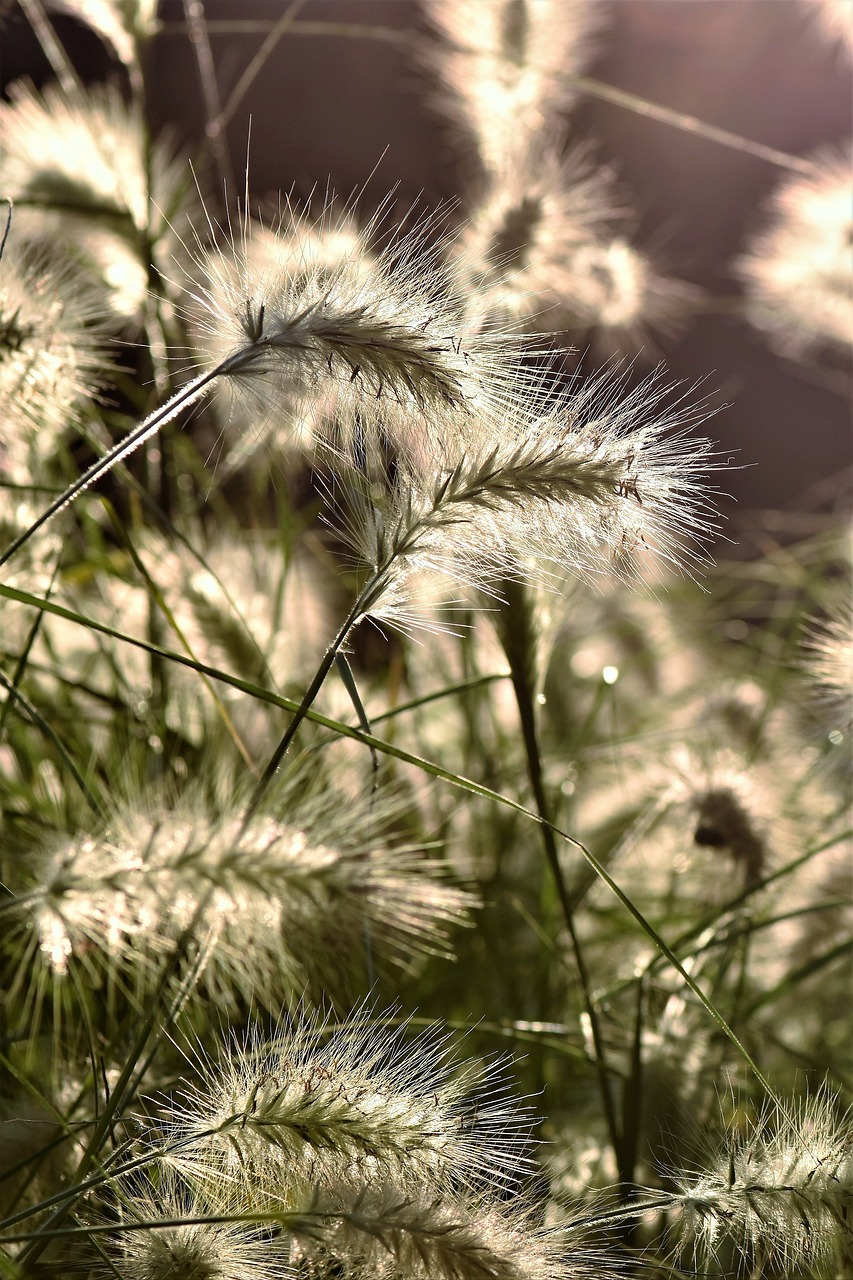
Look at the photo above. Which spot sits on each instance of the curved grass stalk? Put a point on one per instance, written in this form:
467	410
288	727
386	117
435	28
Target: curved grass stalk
302	710
436	771
414	40
692	124
15	695
148	427
24	658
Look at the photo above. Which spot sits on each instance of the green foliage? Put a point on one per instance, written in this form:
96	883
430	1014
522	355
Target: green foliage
588	818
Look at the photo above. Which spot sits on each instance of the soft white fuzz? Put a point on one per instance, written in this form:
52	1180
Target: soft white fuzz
798	271
781	1192
292	902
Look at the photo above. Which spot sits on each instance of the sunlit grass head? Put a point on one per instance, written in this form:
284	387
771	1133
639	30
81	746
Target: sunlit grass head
311	894
51	359
796	269
313	328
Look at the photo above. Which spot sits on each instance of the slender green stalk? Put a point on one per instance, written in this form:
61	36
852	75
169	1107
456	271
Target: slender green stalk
23	660
304	707
149	1026
626	1155
515	630
15	694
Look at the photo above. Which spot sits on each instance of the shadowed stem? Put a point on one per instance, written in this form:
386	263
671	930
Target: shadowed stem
370	593
200	41
151	1023
326	664
515	633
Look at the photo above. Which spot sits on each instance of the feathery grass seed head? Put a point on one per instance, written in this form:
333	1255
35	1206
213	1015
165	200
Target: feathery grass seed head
509	65
393	1233
316	325
570	484
87	154
290	905
543	245
798	271
307	255
100	189
834	19
160	1246
124	25
351	1103
615	289
781	1194
536	212
49	359
828	662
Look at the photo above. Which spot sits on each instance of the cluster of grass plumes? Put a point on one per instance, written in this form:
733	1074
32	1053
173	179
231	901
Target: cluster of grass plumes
320	1146
780	1192
547	238
353	658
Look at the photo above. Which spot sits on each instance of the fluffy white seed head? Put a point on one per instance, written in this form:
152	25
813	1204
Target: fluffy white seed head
388	1233
49	361
834	19
106	262
617	291
544	246
290	906
536	212
86	154
123	25
509	66
728	811
658	505
727	802
365	1229
197	1251
828	662
354	1104
86	177
798	271
298	255
345	345
781	1193
575	485
743	816
157	1239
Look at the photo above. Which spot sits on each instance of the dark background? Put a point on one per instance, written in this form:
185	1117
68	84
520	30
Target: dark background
329	107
